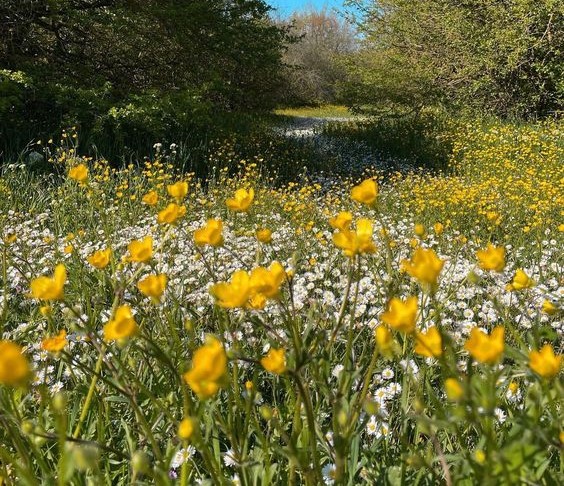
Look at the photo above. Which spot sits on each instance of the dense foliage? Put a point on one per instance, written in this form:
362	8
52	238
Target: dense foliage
128	70
498	57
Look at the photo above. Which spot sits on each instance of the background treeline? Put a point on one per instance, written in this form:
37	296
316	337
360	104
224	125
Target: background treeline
129	73
132	72
494	57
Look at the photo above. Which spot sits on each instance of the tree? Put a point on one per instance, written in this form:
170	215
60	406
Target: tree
504	57
313	59
94	61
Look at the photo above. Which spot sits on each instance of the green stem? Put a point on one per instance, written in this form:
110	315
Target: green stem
89	396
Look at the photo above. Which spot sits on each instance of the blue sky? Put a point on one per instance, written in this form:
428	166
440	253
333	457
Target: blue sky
286	7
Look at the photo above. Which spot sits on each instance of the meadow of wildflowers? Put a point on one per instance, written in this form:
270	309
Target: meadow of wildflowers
401	328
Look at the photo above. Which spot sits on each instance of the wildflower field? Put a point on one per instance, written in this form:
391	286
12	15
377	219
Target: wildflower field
395	328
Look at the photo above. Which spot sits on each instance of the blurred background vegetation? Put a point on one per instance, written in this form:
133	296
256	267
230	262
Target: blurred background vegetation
130	73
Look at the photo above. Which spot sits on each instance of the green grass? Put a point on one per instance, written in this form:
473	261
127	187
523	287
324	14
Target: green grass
325	111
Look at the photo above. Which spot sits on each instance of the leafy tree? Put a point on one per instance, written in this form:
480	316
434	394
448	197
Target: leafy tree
116	64
504	57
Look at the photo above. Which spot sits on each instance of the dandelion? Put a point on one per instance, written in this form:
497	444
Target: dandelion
50	288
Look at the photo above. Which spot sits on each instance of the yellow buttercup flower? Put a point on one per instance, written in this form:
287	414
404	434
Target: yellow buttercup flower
257	301
544	362
430	343
453	389
56	343
140	250
401	315
342	221
151	198
211	234
484	348
366	192
355	242
438	228
153	286
50	288
14	368
100	259
122	326
492	258
384	339
241	201
264	235
79	173
10	238
425	266
419	230
521	281
209	365
178	190
186	428
274	361
268	281
171	214
549	308
234	293
45	310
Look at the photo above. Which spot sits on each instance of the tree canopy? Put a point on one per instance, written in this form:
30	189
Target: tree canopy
503	57
81	59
